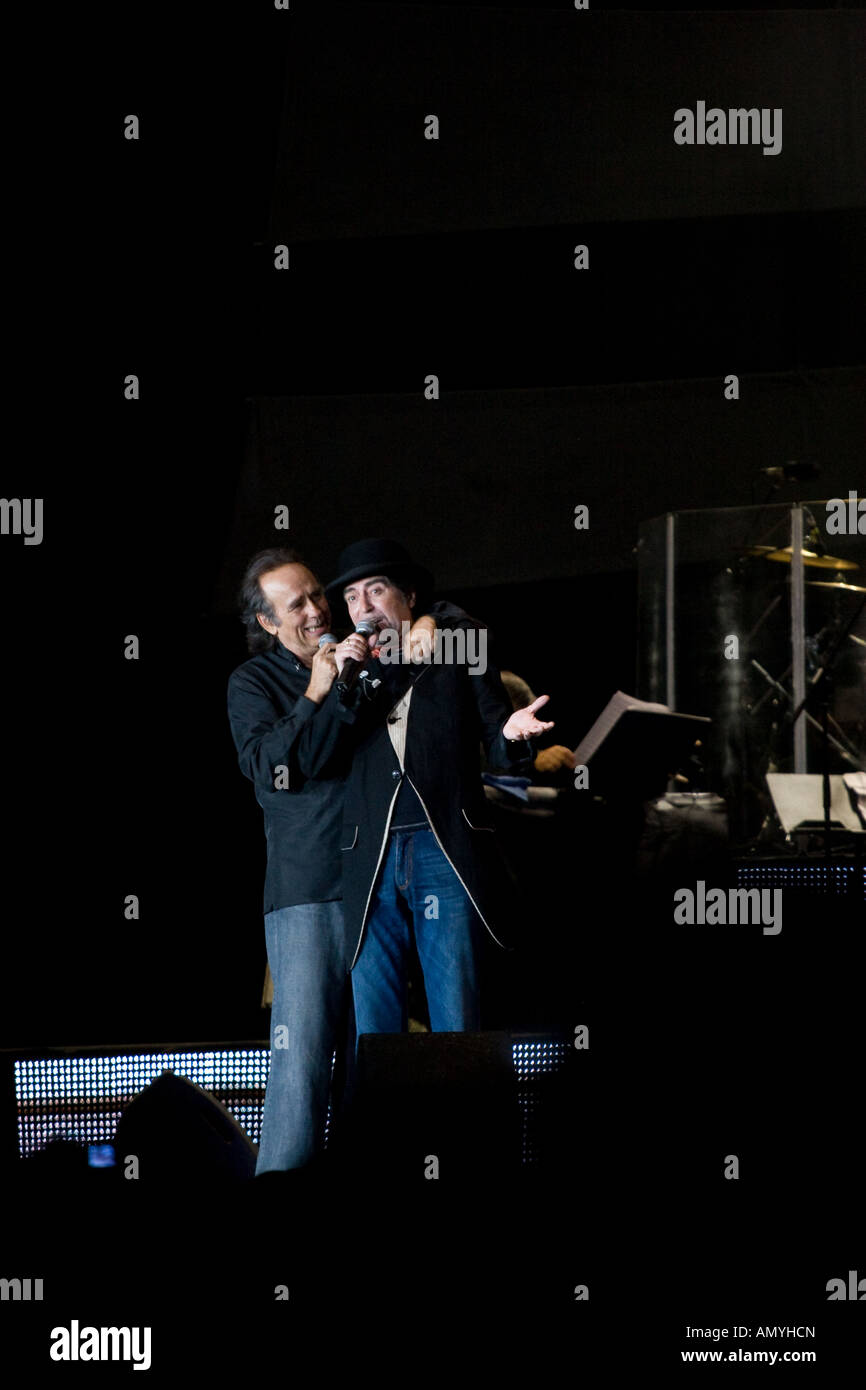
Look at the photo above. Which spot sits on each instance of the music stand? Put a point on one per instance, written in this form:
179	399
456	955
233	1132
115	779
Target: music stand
633	746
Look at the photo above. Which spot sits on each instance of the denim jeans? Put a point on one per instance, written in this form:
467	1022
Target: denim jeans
309	955
418	892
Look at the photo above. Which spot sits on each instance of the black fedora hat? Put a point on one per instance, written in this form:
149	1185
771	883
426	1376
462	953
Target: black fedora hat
378	556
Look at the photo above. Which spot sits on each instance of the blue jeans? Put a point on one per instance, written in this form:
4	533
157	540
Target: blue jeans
309	955
418	892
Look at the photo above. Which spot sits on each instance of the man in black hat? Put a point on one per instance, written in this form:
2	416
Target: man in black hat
420	859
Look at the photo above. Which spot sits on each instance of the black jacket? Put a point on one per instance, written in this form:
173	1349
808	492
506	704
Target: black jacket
272	724
451	712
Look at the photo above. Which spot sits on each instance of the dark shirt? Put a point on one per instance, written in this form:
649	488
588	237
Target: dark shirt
408	810
272	723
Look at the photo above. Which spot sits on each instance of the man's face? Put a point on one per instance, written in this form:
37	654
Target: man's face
298	600
378	601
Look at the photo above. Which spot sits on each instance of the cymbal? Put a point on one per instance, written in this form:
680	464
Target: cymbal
823	562
835	584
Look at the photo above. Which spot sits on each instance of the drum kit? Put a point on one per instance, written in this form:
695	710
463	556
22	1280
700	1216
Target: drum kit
822	649
839	585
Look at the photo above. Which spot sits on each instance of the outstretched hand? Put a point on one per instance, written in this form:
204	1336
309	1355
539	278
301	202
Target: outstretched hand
523	723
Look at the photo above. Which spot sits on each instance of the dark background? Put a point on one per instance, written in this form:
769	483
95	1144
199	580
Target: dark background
408	257
305	388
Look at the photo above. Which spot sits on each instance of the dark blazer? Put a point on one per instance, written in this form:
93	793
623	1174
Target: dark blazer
272	723
451	713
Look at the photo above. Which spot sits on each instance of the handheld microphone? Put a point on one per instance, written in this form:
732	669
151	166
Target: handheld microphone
326	638
352	669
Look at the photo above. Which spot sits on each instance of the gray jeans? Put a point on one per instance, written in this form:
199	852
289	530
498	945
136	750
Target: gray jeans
309	957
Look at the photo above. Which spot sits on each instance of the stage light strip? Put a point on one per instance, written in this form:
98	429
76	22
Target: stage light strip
80	1098
832	878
